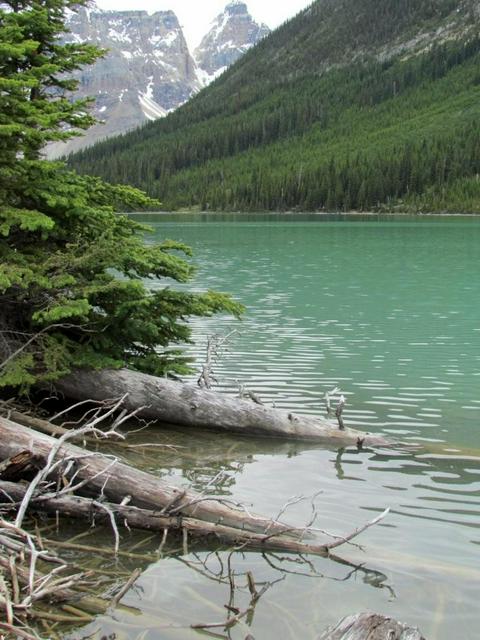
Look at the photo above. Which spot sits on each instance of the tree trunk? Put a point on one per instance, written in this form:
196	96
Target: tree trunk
370	626
184	404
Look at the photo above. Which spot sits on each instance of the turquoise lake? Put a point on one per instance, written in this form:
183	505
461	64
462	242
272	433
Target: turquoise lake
387	309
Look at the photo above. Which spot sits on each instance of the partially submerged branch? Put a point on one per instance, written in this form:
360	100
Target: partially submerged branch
236	615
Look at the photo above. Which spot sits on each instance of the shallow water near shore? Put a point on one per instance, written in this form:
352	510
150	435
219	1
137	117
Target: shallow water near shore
388	309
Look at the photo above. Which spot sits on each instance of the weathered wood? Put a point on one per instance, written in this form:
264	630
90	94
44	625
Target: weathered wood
36	423
19	465
370	626
177	403
116	480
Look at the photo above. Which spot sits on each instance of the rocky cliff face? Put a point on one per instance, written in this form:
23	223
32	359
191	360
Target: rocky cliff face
148	69
232	33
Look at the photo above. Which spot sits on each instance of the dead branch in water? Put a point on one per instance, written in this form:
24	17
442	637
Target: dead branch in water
235	615
117	515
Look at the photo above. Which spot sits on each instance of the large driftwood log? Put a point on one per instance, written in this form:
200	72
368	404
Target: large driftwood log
370	626
183	404
115	481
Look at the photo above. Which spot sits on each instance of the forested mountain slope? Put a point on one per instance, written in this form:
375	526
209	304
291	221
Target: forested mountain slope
352	104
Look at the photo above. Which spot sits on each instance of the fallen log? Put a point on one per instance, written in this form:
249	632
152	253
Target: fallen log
117	481
68	469
188	405
370	626
133	517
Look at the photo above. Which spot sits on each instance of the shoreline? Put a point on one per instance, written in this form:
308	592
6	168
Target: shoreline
371	214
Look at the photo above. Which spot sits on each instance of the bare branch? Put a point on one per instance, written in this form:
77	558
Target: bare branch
43	473
126	587
358	531
214	346
339	411
111	515
328	399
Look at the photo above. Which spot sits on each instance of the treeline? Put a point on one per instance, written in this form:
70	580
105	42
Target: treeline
379	176
352	137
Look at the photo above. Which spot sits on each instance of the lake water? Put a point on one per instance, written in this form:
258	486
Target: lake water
388	309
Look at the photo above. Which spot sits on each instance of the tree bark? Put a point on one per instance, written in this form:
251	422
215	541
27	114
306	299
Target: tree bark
370	626
177	403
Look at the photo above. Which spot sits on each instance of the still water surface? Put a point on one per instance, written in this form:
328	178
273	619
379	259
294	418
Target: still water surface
388	310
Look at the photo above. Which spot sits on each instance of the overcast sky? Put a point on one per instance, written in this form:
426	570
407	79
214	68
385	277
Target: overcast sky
196	15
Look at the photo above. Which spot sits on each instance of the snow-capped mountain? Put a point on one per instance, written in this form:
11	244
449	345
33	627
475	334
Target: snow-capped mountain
232	33
148	69
146	72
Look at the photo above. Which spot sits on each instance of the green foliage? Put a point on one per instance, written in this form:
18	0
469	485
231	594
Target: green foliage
455	196
73	270
297	125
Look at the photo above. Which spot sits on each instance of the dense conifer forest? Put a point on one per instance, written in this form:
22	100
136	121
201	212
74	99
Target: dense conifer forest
350	105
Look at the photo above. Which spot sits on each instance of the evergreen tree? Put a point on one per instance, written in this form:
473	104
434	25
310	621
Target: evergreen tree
72	270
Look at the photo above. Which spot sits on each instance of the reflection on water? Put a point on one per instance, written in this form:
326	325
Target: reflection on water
389	311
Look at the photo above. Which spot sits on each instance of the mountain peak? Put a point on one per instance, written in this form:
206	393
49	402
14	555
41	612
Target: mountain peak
236	7
232	33
147	72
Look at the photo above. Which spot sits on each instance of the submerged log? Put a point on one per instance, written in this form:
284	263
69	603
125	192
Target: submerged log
188	405
370	626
